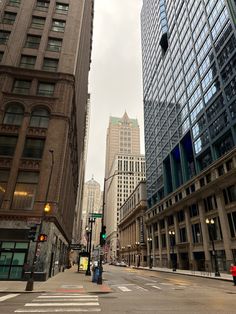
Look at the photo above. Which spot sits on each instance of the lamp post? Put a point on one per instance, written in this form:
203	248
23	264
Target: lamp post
211	226
91	221
138	252
47	209
129	246
99	281
149	240
172	239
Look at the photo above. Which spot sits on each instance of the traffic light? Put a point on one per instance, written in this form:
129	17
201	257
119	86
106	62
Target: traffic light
32	233
103	236
42	237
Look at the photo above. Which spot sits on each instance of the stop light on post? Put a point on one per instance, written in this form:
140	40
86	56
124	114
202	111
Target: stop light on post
42	237
32	233
103	235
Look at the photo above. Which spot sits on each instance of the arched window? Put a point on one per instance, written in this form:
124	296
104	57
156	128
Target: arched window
39	118
14	114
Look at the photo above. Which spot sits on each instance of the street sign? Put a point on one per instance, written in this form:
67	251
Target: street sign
96	215
75	246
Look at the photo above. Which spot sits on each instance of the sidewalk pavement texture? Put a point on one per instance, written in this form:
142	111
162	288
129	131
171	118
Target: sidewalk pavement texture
73	281
65	282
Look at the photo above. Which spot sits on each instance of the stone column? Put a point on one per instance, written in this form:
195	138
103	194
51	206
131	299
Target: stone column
189	236
224	227
153	253
159	244
176	237
205	235
167	242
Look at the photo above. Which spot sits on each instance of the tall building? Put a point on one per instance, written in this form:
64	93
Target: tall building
45	54
91	204
189	87
125	167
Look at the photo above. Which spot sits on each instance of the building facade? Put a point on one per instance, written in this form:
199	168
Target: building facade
91	204
190	130
45	54
132	229
130	171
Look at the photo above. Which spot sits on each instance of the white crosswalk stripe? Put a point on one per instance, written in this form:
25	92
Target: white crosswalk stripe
8	296
62	303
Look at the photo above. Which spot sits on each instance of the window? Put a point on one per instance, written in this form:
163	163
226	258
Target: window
14	3
38	22
58	26
45	89
62	8
4	35
32	41
7	145
54	44
196	233
1	55
193	210
182	235
33	148
9	18
210	203
163	240
50	64
232	223
25	190
180	216
21	87
27	62
4	175
230	194
42	5
39	118
14	114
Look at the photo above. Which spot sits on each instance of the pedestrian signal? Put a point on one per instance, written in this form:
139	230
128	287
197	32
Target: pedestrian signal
42	237
103	236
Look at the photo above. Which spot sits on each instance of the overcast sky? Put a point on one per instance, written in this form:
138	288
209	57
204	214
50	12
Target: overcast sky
115	75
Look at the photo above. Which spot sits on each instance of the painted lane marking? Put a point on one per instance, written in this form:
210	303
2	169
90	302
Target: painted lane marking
166	284
58	310
148	279
156	287
141	288
124	289
8	296
66	296
63	304
53	300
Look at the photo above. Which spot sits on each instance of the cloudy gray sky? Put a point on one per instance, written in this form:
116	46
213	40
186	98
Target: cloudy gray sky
115	76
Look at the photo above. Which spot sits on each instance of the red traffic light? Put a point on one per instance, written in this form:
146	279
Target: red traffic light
42	237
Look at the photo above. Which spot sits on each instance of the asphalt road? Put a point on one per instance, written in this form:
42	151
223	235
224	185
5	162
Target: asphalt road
133	291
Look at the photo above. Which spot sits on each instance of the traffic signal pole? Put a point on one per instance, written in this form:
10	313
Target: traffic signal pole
30	282
99	281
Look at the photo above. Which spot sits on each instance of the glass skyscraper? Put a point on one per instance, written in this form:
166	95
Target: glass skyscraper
189	90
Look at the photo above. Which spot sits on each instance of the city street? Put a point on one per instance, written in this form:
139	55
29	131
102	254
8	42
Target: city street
125	290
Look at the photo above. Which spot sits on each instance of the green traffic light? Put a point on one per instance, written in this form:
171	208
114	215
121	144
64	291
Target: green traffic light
104	236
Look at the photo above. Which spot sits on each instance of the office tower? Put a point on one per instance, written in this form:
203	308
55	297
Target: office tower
91	204
190	130
125	167
45	50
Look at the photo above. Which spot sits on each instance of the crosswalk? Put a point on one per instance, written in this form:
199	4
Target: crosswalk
8	296
146	287
62	303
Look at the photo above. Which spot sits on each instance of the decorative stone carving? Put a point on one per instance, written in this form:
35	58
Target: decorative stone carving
5	162
30	164
37	131
8	128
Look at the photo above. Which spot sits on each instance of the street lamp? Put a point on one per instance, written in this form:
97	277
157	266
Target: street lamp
138	252
91	221
172	239
47	209
99	281
149	240
211	226
129	246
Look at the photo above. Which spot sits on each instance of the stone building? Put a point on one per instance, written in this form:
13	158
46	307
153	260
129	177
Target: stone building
45	54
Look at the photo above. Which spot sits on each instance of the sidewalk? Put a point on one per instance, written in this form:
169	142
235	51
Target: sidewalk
68	281
223	276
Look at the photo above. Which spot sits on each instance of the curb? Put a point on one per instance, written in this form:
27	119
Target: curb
185	274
